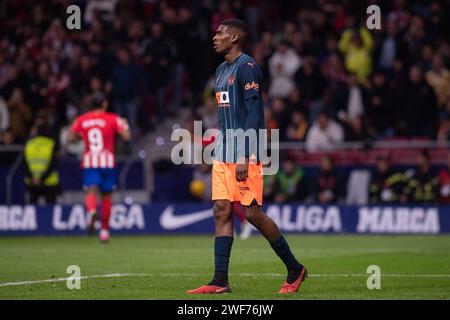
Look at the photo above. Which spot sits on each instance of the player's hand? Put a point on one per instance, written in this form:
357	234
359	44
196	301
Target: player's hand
241	171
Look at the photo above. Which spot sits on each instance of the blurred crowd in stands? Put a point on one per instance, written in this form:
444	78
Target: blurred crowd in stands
388	184
327	78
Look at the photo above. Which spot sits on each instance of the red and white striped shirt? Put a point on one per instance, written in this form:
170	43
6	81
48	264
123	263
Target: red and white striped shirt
98	130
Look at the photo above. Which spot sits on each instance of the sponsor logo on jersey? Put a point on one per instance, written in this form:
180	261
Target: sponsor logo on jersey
223	98
251	86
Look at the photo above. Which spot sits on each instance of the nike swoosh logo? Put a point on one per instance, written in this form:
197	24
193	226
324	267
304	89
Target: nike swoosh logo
169	221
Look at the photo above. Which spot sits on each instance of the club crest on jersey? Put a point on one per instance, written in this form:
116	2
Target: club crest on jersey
223	98
230	80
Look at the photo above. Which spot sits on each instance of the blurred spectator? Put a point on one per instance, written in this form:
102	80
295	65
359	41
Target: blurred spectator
280	115
209	113
356	130
7	138
296	102
200	186
283	64
422	186
41	177
415	37
444	183
386	184
439	79
298	128
158	59
225	12
352	104
4	115
8	156
356	45
252	14
311	84
333	70
443	131
390	47
399	14
20	115
419	106
324	134
103	8
269	187
126	80
329	186
381	110
290	183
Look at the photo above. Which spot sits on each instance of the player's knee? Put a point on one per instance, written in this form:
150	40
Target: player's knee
92	189
106	195
222	210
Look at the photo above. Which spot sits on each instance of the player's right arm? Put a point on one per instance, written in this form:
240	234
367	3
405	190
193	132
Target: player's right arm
74	132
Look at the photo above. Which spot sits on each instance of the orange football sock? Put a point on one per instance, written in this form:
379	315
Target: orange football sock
91	202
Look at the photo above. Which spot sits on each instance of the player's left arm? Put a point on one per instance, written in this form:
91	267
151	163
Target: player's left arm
249	80
73	136
123	128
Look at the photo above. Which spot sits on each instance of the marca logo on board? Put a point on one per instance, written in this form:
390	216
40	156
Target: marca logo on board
398	220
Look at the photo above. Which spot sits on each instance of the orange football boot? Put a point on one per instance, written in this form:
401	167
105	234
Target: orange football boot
210	289
293	287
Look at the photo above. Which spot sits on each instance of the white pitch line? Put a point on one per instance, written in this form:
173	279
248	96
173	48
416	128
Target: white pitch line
112	275
119	275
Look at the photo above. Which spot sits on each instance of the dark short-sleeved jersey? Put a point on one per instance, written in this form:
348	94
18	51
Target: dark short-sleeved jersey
240	106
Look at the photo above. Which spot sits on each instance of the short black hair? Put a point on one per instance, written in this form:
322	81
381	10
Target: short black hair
98	98
239	25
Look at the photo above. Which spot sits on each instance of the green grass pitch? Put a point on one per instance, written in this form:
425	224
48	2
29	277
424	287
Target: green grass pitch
164	267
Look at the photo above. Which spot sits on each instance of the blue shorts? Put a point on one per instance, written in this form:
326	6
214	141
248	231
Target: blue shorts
105	178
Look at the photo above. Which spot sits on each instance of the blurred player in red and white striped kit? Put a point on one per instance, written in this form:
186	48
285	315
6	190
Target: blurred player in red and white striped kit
99	129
